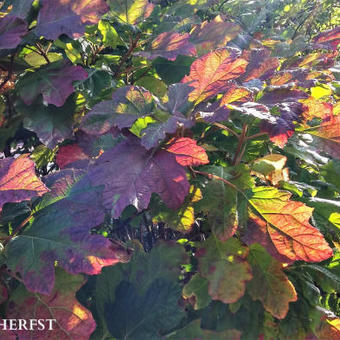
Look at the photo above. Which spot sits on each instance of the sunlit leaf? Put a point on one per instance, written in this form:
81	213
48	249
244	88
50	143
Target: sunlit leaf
169	45
68	318
127	105
327	136
288	225
18	181
131	11
210	74
60	231
57	17
270	285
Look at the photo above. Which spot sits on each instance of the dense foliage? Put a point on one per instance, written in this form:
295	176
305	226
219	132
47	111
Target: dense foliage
170	169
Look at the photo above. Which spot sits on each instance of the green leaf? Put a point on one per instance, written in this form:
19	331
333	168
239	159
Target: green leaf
197	289
162	263
110	35
194	331
143	316
223	265
270	285
223	204
173	71
131	11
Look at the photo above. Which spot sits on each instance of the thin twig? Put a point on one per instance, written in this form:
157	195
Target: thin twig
260	134
133	45
223	127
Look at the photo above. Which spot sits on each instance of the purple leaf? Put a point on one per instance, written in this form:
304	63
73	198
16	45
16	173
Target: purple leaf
68	17
60	231
179	98
53	81
261	65
212	113
271	98
52	124
12	29
214	34
127	105
169	45
130	174
154	133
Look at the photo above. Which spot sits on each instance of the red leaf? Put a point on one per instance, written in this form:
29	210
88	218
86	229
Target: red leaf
18	181
210	74
328	39
69	154
135	173
187	152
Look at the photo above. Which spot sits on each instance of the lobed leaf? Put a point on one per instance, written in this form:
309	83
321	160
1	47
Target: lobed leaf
57	17
53	81
187	152
169	45
214	34
69	318
60	231
327	136
210	74
12	29
223	265
135	173
131	11
270	285
127	105
69	154
18	181
288	225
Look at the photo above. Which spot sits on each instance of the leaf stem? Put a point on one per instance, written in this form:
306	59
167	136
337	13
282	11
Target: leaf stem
212	176
42	52
15	232
240	150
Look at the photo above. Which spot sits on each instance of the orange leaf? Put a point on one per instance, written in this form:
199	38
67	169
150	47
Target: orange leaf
328	136
313	108
288	226
187	152
210	74
18	181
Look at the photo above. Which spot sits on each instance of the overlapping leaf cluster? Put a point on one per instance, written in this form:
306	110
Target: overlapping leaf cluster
187	170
